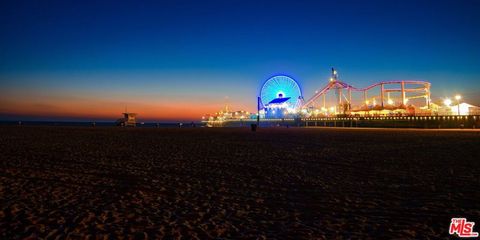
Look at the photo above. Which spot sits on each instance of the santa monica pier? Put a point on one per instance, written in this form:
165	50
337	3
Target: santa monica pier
398	103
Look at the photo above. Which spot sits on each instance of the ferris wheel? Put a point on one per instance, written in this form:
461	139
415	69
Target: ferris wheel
280	87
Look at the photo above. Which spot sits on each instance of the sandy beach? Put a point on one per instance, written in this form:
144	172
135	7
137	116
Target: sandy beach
231	183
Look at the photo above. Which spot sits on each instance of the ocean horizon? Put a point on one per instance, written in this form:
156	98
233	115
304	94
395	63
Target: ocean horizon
102	123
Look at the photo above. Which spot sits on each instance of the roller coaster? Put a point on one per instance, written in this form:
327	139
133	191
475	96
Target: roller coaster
408	90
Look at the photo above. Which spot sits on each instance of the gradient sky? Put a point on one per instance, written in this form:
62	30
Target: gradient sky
171	60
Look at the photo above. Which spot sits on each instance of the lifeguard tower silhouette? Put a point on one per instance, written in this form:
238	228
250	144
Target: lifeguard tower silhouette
129	119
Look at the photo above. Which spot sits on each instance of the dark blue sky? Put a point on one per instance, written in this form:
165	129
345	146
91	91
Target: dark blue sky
183	51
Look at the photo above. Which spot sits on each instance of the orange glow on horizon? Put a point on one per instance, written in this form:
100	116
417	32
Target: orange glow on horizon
104	108
109	111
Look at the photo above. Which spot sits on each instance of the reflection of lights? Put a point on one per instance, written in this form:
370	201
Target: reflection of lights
447	102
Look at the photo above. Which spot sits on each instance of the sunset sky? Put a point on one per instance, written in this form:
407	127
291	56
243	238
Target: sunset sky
177	60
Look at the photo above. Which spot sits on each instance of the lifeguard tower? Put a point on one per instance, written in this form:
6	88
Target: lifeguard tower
128	120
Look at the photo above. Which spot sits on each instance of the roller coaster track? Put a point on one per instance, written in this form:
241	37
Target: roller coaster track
335	84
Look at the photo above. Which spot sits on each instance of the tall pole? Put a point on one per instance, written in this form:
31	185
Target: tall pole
324	100
403	92
349	98
258	111
381	93
334	74
428	95
365	97
458	106
340	91
339	99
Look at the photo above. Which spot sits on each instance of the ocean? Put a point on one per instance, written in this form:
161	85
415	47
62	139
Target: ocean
102	124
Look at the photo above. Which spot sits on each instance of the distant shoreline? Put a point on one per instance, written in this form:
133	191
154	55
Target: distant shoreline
97	123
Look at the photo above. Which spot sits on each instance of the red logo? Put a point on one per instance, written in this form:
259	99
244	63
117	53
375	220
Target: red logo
462	228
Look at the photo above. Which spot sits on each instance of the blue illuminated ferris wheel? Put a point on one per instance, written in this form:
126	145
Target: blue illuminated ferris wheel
278	88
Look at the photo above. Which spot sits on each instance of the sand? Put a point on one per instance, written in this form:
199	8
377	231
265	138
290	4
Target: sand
230	183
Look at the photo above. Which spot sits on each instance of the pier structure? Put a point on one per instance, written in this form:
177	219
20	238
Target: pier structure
438	122
395	103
